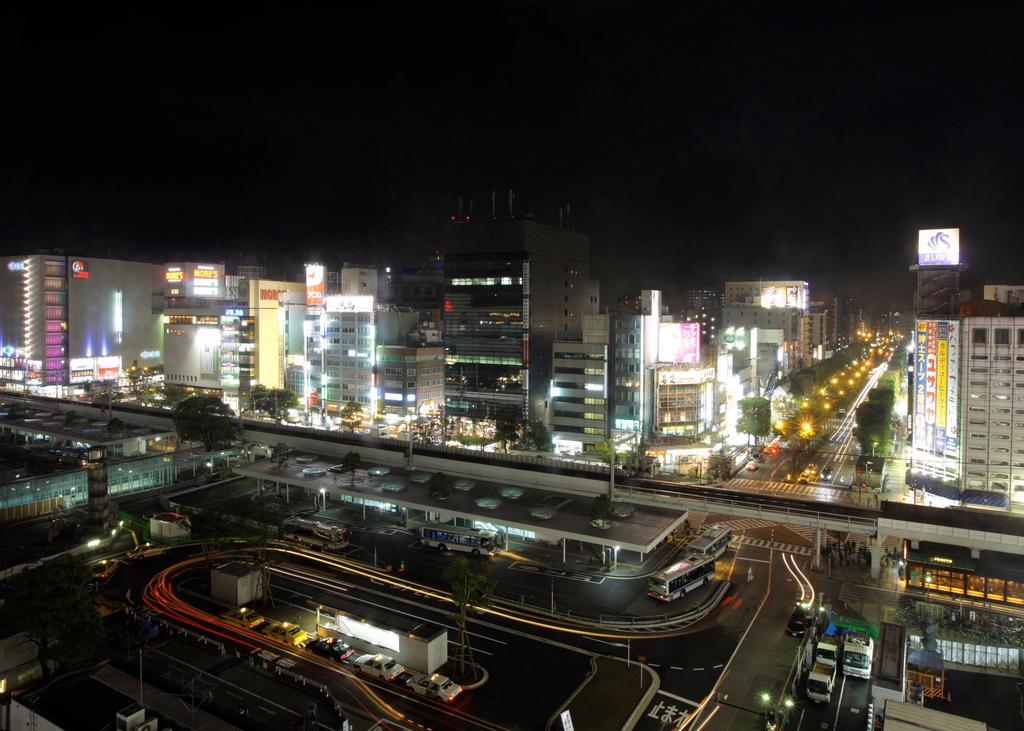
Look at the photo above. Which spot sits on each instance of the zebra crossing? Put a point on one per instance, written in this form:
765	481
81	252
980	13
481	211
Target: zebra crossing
699	520
746	483
738	541
890	543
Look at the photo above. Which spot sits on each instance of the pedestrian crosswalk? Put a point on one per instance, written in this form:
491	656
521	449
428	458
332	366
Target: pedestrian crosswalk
773	545
786	488
891	543
699	520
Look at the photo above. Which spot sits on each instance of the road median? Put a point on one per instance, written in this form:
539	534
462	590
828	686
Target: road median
607	700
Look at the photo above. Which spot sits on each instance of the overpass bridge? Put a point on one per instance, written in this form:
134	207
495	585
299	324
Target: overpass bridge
976	529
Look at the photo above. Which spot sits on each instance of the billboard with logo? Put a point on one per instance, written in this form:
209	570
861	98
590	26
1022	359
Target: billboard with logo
936	383
79	269
349	303
314	285
938	247
679	342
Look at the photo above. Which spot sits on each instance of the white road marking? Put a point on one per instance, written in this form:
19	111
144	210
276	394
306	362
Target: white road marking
673	696
715	667
695	669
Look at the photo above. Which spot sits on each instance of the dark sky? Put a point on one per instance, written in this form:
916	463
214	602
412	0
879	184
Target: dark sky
692	147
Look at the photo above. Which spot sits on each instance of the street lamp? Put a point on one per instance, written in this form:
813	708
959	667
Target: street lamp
615	563
323	499
873	445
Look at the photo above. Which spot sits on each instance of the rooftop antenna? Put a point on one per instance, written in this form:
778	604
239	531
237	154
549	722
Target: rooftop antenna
511	197
559	217
568	214
493	214
460	207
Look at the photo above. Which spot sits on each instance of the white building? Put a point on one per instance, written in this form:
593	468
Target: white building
1011	294
991	395
341	355
579	388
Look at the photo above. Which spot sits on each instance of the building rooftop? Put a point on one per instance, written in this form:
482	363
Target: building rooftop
500	504
73	425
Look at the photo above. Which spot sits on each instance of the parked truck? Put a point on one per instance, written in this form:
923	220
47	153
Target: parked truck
858	651
826	652
820	682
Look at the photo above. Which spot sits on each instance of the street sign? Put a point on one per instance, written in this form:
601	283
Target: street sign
566	721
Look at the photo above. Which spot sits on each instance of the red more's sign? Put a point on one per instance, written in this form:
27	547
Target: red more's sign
271	294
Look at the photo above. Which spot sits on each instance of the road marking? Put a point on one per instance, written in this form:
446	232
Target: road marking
654	665
696	669
673	667
675	697
715	667
556	573
755	560
267	710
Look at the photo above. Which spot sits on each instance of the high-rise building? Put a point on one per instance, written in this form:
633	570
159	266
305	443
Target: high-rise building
67	321
415	287
579	388
512	287
635	327
411	379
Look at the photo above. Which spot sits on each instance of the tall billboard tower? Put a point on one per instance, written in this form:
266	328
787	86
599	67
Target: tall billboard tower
934	393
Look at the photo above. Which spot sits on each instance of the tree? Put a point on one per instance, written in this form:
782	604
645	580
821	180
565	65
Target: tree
51	604
438	486
506	429
205	419
174	394
350	463
212	528
471	587
755	417
352	414
601	509
602	451
538	437
273	401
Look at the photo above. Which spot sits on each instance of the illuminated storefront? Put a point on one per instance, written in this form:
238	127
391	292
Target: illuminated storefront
950	570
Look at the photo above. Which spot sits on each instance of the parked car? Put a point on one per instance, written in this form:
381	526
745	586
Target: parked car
797	624
379	666
331	648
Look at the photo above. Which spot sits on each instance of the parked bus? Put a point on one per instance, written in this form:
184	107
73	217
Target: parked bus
316	534
446	537
712	542
681	578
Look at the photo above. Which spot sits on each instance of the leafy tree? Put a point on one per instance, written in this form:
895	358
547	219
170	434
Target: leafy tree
205	419
352	414
538	437
273	401
601	509
602	451
438	486
755	417
350	463
506	429
471	587
212	528
174	394
52	605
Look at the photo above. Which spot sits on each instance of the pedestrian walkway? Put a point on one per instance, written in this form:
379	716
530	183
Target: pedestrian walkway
698	520
787	488
773	545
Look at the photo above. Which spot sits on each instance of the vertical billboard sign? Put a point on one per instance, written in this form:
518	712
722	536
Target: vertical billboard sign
314	285
679	342
931	376
942	360
920	358
953	389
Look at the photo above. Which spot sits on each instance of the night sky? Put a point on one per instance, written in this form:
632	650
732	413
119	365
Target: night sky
719	145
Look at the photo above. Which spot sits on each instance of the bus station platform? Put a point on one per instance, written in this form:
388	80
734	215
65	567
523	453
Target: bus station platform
517	511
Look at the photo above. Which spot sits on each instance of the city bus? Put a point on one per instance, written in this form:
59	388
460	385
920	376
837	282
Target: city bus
681	578
316	534
447	537
711	542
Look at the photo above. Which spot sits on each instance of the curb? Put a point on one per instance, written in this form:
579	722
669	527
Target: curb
484	679
634	717
550	725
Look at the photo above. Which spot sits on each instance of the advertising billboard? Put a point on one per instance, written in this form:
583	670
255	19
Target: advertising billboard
82	370
679	342
349	303
938	247
936	385
785	295
108	367
79	269
314	285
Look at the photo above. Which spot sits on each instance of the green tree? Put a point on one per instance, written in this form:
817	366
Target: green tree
538	437
471	587
755	417
350	463
273	401
438	486
205	419
52	605
601	508
352	414
506	429
174	394
212	528
602	450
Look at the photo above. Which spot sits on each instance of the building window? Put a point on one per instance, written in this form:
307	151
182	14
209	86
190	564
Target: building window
1002	336
979	336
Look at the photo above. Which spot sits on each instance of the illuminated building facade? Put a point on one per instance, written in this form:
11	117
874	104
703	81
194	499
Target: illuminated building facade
67	321
579	388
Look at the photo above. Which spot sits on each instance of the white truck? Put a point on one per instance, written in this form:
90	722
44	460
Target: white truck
858	651
820	682
826	652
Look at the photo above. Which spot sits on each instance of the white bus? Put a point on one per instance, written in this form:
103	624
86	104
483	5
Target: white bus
446	537
712	542
680	578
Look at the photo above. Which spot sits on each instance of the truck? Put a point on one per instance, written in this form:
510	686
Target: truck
820	682
826	652
858	651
